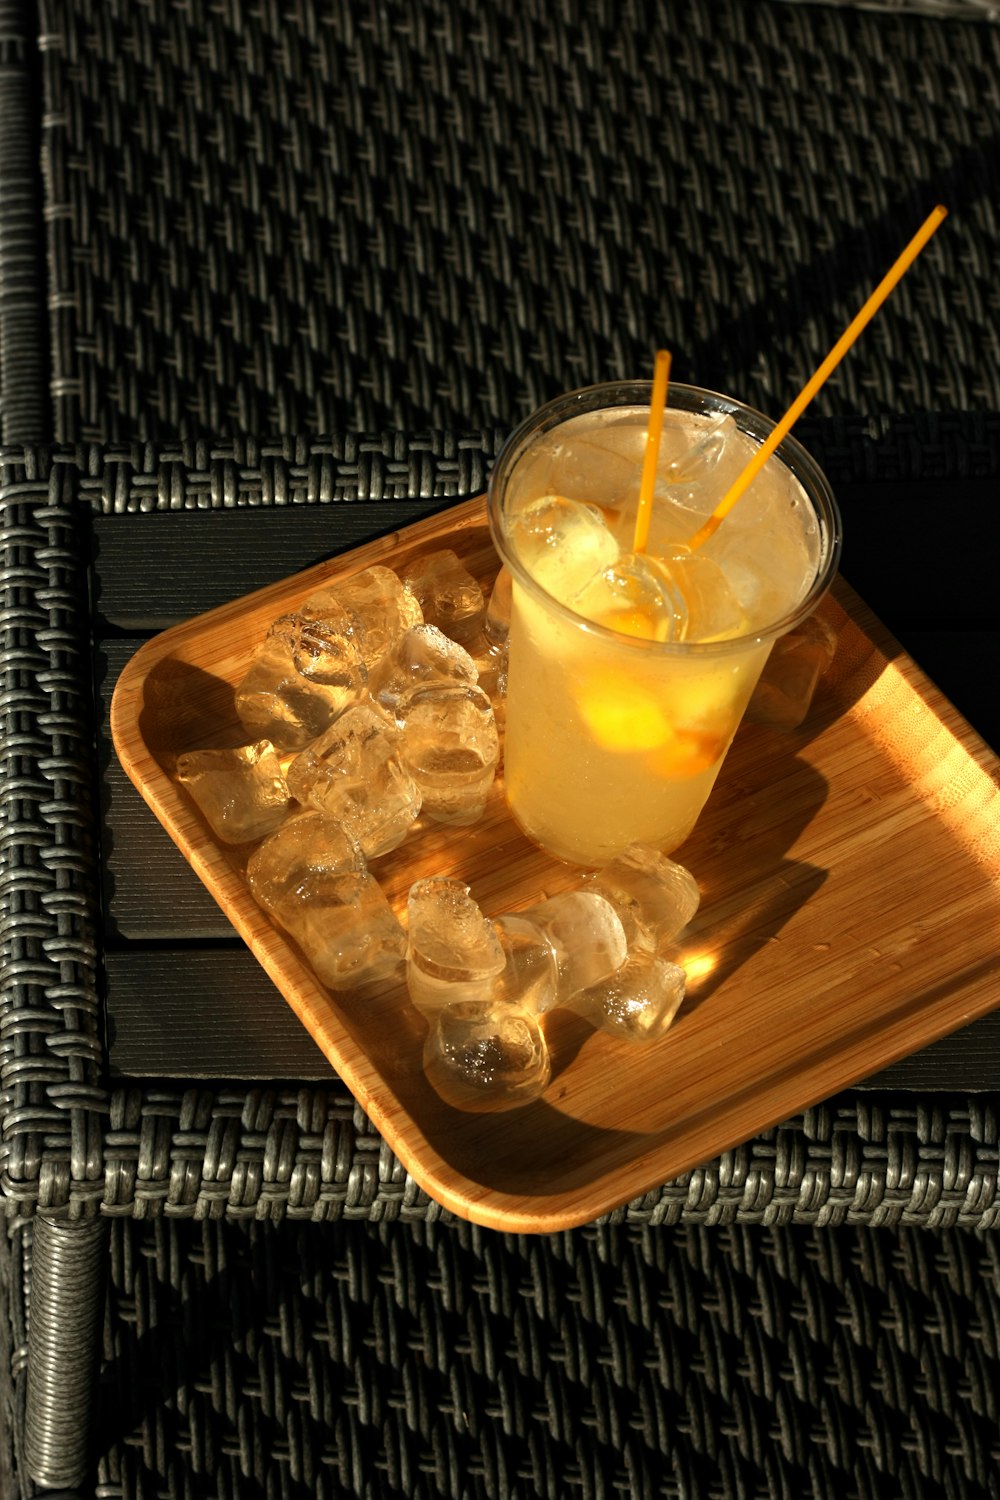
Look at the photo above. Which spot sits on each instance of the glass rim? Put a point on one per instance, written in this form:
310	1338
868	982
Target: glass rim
697	399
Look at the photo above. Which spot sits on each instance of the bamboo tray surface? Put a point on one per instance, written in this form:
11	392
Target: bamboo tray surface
850	878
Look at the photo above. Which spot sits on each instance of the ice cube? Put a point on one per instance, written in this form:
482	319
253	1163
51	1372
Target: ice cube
423	654
635	596
348	931
784	692
378	605
768	546
497	622
354	774
562	544
241	792
530	976
638	1001
325	649
447	593
307	846
453	952
275	701
602	467
491	667
709	610
450	747
655	897
586	936
482	1059
702	461
311	877
577	462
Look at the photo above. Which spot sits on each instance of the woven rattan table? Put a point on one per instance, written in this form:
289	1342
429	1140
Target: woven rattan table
293	218
145	1048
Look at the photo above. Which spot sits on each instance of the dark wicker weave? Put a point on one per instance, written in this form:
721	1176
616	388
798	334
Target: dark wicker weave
309	218
303	218
440	1362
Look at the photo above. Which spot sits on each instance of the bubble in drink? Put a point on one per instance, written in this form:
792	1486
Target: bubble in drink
655	898
453	952
424	654
449	596
450	747
311	877
638	1001
378	605
484	1059
275	701
586	936
784	692
354	774
563	544
242	793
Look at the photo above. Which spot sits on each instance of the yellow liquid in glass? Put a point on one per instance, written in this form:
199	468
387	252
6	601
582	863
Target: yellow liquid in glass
614	738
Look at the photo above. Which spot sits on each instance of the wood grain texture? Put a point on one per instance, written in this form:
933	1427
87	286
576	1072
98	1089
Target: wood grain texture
850	915
224	1011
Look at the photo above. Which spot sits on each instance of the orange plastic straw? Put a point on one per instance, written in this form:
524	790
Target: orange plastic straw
657	402
836	354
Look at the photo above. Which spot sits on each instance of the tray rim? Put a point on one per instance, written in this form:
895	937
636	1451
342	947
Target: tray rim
425	1164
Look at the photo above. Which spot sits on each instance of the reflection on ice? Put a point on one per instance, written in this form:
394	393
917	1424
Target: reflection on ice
241	792
483	1059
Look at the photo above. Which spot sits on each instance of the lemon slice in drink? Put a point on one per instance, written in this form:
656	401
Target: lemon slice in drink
676	736
620	714
688	752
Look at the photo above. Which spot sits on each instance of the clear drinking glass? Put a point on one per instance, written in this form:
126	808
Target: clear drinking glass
614	738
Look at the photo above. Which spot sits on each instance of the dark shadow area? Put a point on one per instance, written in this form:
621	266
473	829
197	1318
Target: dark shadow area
851	268
184	707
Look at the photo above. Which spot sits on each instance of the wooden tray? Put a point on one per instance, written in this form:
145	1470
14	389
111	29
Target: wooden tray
850	915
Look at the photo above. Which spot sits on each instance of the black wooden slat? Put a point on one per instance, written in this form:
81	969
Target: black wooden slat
185	1012
967	1059
924	554
150	890
188	1012
150	571
964	665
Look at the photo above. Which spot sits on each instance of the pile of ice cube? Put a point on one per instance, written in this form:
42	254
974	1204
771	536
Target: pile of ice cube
367	706
364	708
606	950
364	704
